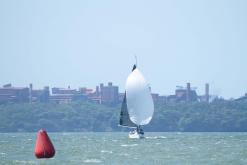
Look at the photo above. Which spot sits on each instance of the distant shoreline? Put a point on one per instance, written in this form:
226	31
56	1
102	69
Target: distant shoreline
218	116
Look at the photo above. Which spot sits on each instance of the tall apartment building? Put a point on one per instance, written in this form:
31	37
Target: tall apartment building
108	94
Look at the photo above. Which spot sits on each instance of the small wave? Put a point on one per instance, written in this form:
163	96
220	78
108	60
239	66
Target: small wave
105	151
218	142
92	161
24	162
129	145
156	137
124	154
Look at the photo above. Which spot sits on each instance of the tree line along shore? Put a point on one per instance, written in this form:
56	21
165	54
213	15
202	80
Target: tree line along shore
218	116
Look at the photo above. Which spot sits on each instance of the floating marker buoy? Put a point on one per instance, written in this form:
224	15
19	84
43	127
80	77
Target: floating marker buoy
44	147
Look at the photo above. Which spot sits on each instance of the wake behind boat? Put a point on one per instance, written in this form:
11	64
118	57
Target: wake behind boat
137	106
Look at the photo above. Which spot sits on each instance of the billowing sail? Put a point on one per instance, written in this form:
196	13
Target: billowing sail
124	115
139	100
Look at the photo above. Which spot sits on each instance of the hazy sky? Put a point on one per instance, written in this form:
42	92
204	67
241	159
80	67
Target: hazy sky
82	43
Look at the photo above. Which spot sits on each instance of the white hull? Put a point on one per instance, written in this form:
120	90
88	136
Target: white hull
135	135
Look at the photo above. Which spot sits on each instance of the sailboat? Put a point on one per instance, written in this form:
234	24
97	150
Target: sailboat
137	106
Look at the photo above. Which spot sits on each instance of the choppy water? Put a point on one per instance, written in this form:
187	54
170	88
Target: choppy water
116	148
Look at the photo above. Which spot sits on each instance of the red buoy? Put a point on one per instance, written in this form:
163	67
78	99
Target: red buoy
44	147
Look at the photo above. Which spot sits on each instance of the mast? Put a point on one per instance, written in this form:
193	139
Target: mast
124	114
136	60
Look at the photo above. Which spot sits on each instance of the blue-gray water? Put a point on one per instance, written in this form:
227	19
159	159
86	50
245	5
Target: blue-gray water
116	148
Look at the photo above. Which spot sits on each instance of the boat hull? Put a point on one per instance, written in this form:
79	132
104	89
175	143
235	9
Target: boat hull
136	135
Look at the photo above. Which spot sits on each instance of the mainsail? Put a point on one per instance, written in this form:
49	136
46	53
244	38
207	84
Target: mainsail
124	115
139	100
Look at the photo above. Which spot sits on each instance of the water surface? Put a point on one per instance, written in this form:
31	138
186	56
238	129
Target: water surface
116	148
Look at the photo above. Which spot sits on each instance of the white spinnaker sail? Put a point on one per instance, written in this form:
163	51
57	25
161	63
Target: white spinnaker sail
139	100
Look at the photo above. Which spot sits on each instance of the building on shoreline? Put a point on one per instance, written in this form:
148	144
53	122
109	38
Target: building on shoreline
108	94
189	94
101	94
14	94
39	95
